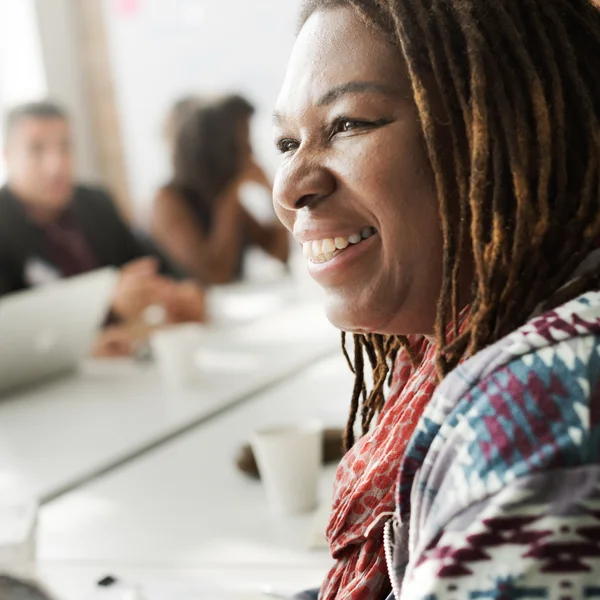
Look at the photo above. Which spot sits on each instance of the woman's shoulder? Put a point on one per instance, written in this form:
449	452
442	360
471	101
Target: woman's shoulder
529	403
167	194
534	403
559	345
170	202
183	200
508	452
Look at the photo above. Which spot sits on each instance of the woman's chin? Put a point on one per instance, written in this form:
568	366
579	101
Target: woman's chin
351	318
362	319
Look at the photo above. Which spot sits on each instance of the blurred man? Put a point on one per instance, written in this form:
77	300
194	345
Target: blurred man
51	227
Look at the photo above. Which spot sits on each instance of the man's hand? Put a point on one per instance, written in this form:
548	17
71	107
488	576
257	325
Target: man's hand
186	302
140	286
114	341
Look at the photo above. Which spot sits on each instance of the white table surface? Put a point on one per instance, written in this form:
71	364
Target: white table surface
186	506
79	582
56	436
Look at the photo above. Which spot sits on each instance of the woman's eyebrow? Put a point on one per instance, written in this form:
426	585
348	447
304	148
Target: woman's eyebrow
351	87
354	87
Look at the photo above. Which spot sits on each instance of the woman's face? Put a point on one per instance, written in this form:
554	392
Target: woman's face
355	185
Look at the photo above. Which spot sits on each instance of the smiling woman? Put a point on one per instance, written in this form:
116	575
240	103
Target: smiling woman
440	167
351	115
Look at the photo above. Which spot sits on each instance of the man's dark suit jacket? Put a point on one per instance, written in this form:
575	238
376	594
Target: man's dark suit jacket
109	237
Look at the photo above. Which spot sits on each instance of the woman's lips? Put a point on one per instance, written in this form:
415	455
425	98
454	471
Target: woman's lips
334	270
323	250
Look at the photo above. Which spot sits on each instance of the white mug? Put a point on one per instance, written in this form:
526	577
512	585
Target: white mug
18	526
289	460
175	349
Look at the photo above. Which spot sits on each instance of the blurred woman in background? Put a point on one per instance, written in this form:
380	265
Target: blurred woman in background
197	217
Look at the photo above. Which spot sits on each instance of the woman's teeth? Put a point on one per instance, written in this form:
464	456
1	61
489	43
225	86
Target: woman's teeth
320	251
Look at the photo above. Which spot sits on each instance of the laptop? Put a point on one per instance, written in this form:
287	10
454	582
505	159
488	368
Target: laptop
47	330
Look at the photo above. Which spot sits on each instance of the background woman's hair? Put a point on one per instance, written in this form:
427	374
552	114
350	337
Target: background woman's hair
177	115
515	154
207	150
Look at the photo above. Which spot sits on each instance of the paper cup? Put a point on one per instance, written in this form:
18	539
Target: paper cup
18	526
289	459
175	350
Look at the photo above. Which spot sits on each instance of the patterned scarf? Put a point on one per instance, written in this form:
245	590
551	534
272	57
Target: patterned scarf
364	487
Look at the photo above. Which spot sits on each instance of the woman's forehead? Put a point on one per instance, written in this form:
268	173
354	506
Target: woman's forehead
335	47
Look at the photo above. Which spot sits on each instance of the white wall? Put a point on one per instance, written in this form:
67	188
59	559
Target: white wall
161	49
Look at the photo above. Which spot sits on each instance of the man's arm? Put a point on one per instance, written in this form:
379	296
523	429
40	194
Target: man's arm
10	279
130	244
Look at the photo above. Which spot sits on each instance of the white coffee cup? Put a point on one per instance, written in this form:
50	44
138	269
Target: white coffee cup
175	349
18	526
289	460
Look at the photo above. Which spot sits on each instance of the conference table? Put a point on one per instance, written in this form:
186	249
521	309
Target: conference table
139	481
185	511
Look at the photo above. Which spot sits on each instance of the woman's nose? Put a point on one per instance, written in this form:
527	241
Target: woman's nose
301	183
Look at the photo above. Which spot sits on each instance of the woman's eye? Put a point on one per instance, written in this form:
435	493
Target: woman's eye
286	145
344	124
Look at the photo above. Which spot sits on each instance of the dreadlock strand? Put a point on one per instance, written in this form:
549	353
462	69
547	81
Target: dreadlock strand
460	121
346	353
557	106
588	108
369	348
445	183
480	144
416	14
359	385
512	150
375	397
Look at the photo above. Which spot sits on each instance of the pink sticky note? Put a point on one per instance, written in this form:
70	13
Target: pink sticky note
128	8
